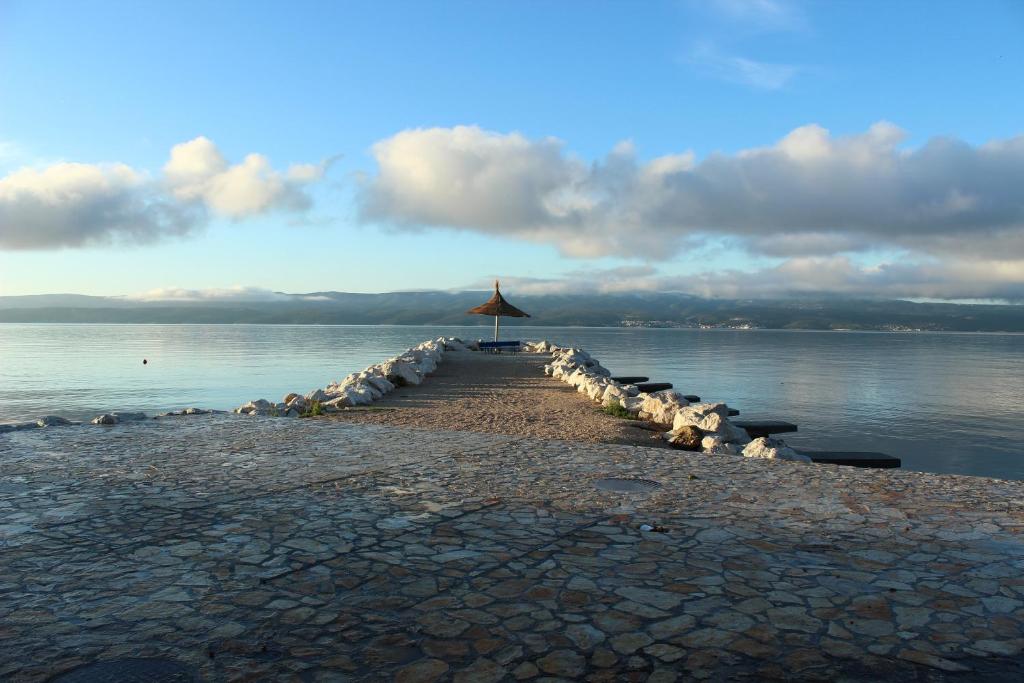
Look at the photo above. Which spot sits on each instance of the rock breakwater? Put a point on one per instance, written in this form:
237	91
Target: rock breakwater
702	427
364	387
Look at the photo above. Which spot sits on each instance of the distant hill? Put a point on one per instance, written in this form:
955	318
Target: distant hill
604	310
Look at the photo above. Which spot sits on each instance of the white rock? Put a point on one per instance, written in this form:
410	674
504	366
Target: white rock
631	403
258	404
694	414
317	395
733	434
711	418
454	344
402	372
772	449
345	381
361	396
662	406
594	388
613	394
714	445
575	356
374	392
381	383
344	399
427	365
578	377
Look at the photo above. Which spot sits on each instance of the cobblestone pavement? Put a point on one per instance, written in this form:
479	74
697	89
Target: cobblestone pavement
256	549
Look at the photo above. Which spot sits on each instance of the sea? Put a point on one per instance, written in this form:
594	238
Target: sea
943	402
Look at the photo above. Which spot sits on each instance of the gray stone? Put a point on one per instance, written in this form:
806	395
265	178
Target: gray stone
584	636
651	596
53	421
628	643
565	663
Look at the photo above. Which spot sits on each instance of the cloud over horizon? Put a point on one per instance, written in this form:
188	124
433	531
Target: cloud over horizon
951	207
78	204
820	277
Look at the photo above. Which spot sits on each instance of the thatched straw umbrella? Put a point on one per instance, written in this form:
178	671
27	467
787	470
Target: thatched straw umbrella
497	306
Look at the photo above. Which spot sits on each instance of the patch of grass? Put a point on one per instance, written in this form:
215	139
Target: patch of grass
314	409
616	410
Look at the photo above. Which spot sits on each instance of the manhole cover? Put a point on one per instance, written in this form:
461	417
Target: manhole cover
130	671
627	485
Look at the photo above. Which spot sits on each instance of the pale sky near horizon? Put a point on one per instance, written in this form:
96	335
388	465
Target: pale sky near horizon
726	148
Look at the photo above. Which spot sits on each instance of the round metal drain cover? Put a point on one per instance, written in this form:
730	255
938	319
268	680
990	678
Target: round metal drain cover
130	671
627	485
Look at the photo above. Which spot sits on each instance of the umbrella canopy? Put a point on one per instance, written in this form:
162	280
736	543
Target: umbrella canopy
497	305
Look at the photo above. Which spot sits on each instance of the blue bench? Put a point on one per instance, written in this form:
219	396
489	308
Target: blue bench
498	346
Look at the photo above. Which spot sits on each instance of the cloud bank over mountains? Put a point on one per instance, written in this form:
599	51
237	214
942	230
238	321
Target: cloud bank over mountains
818	277
811	192
78	204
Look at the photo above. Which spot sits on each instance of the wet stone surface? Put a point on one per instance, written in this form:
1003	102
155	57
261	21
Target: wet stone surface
311	550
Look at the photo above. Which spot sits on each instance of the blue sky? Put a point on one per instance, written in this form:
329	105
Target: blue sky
109	83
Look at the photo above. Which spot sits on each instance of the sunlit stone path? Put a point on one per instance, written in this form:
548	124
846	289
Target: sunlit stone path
255	549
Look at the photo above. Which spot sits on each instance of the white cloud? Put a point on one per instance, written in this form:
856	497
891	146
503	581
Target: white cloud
198	171
237	293
766	15
941	280
712	62
808	276
810	193
585	281
75	204
68	204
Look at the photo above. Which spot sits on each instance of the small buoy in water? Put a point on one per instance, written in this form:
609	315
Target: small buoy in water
144	361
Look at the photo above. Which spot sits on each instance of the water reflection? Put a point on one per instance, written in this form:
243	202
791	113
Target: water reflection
942	402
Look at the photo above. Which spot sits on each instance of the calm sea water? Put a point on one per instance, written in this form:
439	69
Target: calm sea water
942	402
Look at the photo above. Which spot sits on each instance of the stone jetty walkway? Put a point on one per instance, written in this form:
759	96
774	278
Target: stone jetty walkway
315	550
500	394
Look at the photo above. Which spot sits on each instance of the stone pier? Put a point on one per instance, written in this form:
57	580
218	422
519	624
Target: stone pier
313	550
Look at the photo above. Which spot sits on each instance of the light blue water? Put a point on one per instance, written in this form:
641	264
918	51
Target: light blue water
942	402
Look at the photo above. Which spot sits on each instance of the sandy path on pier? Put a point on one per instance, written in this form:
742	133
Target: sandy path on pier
499	394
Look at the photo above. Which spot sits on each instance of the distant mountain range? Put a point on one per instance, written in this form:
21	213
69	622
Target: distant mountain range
598	310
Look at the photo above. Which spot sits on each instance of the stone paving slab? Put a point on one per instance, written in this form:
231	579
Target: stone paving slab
256	549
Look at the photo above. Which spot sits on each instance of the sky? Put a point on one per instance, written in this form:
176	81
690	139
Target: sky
731	148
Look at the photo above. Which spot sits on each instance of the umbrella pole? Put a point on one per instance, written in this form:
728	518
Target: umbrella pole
496	327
